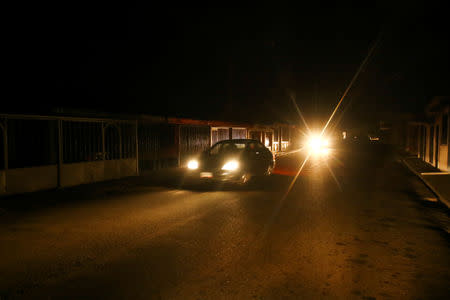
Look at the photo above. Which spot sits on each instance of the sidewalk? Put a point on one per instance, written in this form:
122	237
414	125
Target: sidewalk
435	179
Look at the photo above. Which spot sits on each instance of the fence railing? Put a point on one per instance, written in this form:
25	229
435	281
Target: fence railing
28	141
93	149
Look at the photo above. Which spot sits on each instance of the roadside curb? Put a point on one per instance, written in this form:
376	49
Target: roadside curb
427	183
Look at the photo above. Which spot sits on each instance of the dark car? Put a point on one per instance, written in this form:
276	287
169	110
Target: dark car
233	160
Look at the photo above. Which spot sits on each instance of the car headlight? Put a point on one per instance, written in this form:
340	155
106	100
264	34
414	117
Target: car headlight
192	164
231	165
318	145
325	151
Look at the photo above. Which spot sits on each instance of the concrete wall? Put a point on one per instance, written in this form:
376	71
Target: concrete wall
443	155
442	163
88	172
81	173
24	180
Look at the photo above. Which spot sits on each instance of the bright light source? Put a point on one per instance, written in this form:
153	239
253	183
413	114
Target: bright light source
192	164
231	165
325	151
315	143
319	145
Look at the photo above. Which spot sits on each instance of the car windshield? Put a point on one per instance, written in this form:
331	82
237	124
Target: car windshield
228	147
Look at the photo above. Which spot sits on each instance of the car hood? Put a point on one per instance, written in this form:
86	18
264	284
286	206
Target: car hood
215	162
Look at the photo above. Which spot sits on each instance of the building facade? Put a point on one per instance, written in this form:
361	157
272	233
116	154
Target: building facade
429	138
46	152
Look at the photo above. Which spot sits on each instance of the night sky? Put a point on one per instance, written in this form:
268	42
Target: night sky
226	62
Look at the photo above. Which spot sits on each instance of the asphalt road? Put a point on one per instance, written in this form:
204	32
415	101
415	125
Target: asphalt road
363	232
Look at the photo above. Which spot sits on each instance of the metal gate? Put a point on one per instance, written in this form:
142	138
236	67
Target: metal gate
219	134
157	146
193	139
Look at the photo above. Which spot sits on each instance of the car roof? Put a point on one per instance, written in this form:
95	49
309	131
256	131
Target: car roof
238	141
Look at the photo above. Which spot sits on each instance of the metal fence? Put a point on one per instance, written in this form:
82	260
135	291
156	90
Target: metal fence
66	151
256	135
149	146
2	145
29	141
157	146
239	133
82	141
89	141
219	134
128	140
193	139
113	148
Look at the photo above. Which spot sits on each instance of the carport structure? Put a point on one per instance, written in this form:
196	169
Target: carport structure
198	135
45	152
40	152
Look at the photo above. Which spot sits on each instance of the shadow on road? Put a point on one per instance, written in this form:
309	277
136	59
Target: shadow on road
355	162
180	179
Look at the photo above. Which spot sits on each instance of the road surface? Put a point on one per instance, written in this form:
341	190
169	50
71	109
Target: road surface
363	232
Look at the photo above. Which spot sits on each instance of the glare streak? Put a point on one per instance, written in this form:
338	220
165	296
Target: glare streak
334	176
361	67
338	160
300	113
286	194
290	152
295	178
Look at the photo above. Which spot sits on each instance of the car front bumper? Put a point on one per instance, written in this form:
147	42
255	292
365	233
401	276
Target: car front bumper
207	175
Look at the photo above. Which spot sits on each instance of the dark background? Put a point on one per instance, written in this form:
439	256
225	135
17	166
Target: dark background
232	62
